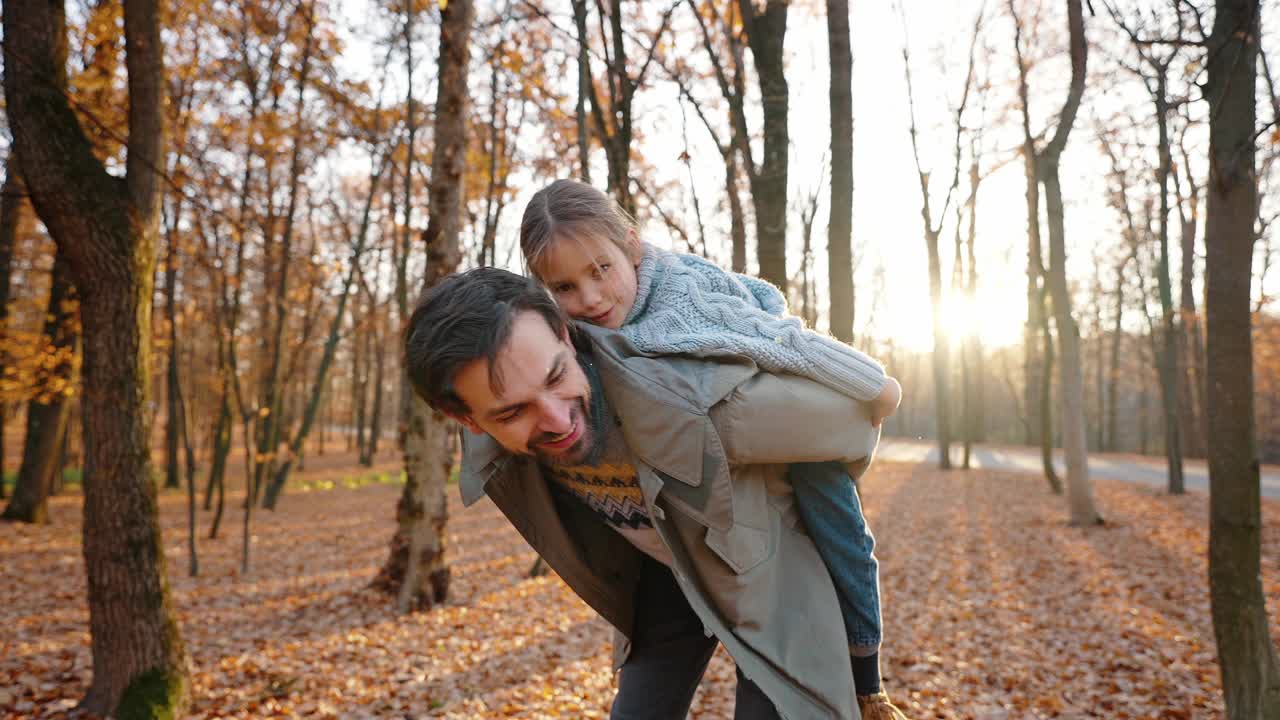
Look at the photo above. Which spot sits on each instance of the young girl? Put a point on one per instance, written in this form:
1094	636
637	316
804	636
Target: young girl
586	250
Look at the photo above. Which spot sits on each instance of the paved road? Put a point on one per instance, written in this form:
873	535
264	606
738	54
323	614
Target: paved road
1151	472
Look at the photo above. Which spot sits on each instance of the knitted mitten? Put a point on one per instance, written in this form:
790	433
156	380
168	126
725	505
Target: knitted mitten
879	707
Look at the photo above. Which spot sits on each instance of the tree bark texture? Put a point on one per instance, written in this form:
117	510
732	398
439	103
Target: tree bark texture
766	33
108	228
1070	377
840	226
172	390
1250	671
417	570
1170	336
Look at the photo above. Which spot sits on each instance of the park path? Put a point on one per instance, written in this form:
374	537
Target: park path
1112	466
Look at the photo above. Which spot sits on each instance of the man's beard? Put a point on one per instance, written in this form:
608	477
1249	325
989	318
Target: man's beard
590	443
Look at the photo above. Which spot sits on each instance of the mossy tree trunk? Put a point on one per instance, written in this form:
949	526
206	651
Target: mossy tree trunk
107	226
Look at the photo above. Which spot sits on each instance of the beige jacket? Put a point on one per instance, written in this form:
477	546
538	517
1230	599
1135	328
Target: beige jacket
710	438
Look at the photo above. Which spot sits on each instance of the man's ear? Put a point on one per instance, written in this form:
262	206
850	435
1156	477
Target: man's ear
466	422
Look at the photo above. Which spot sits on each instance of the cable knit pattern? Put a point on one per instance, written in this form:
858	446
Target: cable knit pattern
685	304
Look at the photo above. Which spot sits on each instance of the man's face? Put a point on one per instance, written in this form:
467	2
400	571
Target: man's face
541	405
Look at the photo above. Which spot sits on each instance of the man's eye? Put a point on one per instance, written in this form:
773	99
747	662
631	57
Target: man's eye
508	417
557	379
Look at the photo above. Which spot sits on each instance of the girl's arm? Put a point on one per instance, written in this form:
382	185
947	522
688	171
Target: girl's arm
768	297
696	308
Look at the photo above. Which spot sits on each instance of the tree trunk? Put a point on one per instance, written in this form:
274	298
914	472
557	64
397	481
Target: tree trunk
220	443
1071	385
961	408
1033	367
330	346
732	88
613	121
405	239
171	479
1191	352
47	413
766	32
941	354
193	560
10	211
584	90
1044	407
218	466
59	476
840	227
1168	362
975	389
737	217
107	227
272	399
416	570
808	310
1099	365
375	421
360	381
1250	670
1037	374
1070	378
1144	418
1113	373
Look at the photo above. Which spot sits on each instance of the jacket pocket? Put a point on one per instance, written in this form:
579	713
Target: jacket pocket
742	548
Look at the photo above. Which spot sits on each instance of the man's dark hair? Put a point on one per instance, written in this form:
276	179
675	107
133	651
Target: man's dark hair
467	317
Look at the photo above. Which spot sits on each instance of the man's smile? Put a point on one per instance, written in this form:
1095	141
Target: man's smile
566	440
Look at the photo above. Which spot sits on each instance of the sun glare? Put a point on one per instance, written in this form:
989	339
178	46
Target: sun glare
995	315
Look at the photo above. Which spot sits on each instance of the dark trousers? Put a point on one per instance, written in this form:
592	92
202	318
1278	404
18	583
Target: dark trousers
669	654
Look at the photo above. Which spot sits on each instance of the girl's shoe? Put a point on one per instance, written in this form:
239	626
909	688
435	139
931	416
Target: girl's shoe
879	707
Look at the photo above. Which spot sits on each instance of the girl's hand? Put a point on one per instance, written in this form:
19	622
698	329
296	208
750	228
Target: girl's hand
886	403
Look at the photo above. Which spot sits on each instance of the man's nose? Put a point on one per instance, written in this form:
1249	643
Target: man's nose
554	415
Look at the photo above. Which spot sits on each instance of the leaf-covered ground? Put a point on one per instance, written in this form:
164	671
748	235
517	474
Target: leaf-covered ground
994	608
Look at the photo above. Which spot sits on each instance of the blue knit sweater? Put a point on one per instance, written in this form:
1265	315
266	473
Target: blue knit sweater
686	305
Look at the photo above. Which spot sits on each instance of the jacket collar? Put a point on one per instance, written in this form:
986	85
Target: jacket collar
482	458
664	403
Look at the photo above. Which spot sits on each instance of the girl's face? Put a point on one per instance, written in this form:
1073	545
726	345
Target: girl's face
591	278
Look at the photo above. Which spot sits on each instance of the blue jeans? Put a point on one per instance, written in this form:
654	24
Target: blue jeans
829	507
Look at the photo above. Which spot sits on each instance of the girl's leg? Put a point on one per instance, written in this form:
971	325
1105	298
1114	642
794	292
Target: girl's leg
828	505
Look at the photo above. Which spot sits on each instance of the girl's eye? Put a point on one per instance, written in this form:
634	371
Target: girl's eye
557	379
561	289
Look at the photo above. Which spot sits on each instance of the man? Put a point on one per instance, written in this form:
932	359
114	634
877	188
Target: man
655	487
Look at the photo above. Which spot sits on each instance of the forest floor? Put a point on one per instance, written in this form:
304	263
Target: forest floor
993	608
